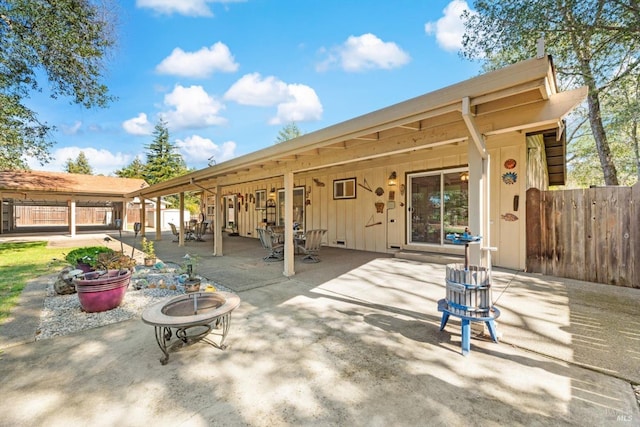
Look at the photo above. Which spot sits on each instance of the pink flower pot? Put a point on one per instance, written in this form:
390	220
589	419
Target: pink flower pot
101	292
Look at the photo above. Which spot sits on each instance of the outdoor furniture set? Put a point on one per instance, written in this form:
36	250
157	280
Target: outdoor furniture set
309	243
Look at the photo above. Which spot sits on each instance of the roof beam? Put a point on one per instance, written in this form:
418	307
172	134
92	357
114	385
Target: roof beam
476	136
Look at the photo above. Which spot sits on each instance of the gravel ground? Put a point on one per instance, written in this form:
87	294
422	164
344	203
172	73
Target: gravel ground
62	314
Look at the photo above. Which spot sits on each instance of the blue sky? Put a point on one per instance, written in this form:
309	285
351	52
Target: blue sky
227	76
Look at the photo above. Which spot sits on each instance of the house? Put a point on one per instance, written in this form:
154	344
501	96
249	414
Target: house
402	177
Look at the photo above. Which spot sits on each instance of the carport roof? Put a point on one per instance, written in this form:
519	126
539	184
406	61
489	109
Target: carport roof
40	185
522	97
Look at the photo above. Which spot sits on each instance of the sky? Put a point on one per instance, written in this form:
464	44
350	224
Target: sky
228	75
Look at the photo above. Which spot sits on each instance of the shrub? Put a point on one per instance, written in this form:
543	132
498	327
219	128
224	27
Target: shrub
87	255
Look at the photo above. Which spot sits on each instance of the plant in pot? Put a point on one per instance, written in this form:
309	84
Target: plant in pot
86	258
191	282
149	252
104	290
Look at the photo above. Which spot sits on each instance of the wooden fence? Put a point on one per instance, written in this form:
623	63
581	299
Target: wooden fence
587	234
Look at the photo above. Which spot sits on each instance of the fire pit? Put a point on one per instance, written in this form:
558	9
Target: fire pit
193	316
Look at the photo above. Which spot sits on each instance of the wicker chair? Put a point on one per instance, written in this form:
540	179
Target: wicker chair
276	250
312	244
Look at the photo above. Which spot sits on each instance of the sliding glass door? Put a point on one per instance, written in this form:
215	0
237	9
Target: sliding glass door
438	204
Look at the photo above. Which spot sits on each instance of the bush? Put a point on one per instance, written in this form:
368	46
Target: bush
88	255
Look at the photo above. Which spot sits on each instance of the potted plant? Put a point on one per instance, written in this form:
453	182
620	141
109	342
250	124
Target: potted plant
104	289
86	258
149	251
191	283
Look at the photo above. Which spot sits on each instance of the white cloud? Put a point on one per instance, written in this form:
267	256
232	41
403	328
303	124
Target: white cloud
182	7
254	90
199	64
295	102
303	105
73	129
450	28
139	125
364	52
103	162
198	150
192	107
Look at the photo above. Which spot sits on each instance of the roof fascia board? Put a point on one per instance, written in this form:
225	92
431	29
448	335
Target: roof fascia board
535	115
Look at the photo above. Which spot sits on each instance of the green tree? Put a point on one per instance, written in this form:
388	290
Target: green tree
80	165
135	169
288	132
163	160
164	163
65	40
593	42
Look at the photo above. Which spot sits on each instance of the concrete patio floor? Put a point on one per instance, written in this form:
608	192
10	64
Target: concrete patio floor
352	340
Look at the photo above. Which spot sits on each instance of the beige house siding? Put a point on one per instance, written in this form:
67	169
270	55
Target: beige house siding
353	223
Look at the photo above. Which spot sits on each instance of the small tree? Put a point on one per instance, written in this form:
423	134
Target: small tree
135	169
81	165
288	132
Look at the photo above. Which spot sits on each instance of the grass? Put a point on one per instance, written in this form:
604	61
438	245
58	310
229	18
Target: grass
21	262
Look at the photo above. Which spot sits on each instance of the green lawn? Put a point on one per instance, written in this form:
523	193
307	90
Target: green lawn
20	262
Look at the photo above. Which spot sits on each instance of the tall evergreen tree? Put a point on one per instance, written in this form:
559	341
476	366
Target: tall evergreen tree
163	161
80	165
64	42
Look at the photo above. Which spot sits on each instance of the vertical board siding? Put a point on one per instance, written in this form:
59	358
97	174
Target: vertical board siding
587	234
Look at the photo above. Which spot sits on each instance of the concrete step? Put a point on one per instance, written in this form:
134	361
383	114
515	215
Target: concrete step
429	257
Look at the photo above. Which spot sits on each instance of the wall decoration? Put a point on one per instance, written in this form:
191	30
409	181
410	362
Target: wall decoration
509	217
379	207
379	191
392	195
510	178
318	182
510	163
371	222
365	185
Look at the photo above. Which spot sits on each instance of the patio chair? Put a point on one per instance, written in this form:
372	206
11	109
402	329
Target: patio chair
277	231
199	230
276	250
174	231
312	244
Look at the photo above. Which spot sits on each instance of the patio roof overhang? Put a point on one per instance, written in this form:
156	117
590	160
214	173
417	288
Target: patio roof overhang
521	97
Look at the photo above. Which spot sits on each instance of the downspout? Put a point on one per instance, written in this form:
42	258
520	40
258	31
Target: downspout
479	194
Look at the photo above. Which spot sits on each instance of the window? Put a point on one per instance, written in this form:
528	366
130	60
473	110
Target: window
344	188
298	207
261	199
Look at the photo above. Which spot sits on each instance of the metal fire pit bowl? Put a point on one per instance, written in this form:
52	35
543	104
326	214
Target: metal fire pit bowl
193	316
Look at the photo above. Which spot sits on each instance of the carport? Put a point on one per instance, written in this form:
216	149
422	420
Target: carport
56	189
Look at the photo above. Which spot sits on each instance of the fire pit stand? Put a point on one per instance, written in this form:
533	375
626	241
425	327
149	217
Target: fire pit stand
193	316
468	294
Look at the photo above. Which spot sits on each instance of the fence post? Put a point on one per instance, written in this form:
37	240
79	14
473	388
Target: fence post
533	234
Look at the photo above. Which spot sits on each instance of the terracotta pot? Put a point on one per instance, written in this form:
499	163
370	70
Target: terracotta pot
102	291
149	262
